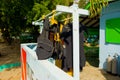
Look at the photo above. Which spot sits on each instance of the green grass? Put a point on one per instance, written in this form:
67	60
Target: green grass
92	55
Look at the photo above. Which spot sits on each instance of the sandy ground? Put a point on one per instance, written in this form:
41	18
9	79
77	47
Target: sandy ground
11	54
11	74
93	73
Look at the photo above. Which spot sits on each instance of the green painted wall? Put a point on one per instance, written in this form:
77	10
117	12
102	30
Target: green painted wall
113	30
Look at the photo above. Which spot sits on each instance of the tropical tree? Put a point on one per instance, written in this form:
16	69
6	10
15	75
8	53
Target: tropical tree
96	6
16	16
13	16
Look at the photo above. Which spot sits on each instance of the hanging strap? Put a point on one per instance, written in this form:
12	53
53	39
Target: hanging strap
52	19
46	26
57	35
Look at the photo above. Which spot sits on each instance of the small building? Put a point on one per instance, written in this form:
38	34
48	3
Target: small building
109	33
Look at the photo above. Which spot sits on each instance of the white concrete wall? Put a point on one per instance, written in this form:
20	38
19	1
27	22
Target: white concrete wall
112	11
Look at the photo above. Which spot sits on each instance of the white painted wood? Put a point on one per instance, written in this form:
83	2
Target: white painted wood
76	48
43	69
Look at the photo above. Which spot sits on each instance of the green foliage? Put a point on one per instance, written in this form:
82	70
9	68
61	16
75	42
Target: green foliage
37	11
14	15
17	15
82	3
26	38
96	6
91	51
92	55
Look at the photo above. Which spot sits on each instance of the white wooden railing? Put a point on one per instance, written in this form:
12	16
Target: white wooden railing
34	69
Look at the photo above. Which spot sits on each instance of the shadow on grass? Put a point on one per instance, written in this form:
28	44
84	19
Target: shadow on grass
92	55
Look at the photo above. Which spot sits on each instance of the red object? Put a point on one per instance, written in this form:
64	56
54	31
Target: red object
23	65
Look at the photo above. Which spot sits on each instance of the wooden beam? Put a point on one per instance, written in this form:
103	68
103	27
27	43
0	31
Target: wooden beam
83	18
96	22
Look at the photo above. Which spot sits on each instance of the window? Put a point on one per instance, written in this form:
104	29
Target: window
113	30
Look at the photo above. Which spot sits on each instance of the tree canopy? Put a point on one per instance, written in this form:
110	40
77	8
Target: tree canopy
16	16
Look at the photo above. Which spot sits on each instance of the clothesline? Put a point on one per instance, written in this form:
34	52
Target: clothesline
40	21
55	12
